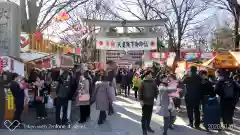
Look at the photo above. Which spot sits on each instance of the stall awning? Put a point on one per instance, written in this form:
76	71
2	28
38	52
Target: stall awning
30	56
236	55
224	60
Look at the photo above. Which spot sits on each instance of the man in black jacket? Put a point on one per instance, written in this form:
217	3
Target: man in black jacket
18	95
193	96
147	92
63	91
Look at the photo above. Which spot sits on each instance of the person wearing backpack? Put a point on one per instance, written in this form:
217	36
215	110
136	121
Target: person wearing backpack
226	89
148	91
63	91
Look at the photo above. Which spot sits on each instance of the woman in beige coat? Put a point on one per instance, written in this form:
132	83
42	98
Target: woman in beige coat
83	89
102	96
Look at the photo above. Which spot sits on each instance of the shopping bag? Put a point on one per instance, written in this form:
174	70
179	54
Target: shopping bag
49	103
83	97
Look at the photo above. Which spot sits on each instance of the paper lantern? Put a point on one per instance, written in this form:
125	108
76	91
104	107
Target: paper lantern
64	16
38	36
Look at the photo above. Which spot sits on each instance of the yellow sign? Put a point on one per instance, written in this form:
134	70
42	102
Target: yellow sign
10	100
224	60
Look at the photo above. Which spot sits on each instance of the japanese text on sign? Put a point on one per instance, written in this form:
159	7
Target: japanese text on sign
4	16
126	43
132	44
10	100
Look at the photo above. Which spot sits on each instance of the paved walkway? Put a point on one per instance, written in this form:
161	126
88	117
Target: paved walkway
125	122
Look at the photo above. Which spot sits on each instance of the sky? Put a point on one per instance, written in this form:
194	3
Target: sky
216	18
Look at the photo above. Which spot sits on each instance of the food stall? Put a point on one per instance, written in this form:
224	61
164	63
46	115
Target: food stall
224	60
12	65
184	66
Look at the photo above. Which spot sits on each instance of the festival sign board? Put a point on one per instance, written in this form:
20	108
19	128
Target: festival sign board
224	60
24	42
126	43
10	22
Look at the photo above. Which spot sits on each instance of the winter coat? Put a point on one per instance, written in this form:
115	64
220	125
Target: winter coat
102	95
165	104
83	88
136	81
193	89
148	91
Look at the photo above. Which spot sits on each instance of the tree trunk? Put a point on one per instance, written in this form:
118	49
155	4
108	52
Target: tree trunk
170	44
236	34
178	53
29	24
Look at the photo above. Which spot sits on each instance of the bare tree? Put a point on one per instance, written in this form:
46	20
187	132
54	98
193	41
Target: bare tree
201	33
37	14
182	13
80	34
139	9
222	38
233	7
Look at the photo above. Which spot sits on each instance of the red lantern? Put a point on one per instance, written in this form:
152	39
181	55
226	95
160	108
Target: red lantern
182	55
64	16
198	55
38	36
166	54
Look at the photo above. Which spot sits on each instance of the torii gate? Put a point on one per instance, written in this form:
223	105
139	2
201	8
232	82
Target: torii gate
146	40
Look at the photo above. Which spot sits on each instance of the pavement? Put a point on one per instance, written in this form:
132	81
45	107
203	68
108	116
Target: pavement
126	121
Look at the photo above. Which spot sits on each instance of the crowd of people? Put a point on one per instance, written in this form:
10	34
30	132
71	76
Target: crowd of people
87	86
